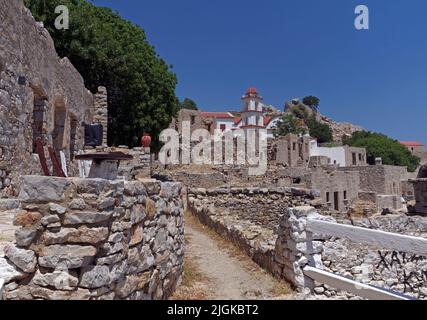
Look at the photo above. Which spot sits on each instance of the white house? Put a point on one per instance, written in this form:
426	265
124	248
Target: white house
343	156
224	120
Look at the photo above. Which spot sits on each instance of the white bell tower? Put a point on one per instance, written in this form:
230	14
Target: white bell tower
252	113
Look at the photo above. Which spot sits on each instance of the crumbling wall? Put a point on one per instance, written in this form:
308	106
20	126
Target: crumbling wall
92	239
41	96
249	217
297	248
402	272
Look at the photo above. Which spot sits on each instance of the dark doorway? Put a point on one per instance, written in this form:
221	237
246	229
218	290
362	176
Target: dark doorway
336	201
59	127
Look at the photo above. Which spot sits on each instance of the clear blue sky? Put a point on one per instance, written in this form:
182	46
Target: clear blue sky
289	49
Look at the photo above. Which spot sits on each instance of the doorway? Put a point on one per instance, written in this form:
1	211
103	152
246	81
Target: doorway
336	201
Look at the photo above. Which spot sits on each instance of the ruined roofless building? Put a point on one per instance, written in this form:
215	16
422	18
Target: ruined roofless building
41	96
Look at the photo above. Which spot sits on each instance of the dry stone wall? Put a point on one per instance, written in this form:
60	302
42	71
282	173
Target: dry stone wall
402	272
41	96
398	271
249	217
92	239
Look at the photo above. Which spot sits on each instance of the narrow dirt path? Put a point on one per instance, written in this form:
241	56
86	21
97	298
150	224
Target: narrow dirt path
223	272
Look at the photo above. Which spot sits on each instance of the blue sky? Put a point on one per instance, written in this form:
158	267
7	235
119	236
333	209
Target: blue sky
287	49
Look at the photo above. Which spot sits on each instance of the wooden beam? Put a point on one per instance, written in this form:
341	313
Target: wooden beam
55	163
386	240
351	286
42	158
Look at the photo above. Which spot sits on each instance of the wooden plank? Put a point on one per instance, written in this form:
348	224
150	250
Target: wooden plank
351	286
1	288
55	162
385	240
42	158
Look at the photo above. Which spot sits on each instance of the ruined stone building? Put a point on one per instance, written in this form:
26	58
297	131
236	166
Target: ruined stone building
41	96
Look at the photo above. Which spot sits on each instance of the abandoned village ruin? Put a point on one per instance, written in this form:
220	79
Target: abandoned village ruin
86	221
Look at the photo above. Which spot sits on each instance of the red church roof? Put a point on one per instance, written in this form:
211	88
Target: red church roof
252	90
411	144
217	115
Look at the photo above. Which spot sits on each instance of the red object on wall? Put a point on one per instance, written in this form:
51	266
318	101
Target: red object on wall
146	140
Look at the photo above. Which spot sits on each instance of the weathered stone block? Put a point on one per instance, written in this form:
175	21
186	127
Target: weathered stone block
23	259
95	277
81	235
57	209
80	217
60	280
9	272
47	294
38	189
70	256
25	236
131	284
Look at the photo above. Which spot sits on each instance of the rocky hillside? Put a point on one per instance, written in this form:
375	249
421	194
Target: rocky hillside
339	130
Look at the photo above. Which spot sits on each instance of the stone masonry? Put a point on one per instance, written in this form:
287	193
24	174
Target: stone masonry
101	112
92	239
41	96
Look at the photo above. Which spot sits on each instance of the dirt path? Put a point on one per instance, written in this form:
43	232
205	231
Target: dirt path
223	272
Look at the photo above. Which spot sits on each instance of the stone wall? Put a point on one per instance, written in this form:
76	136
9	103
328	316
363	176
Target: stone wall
91	239
101	112
41	96
381	179
401	272
249	217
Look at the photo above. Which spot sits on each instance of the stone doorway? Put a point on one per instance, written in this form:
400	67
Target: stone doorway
59	126
336	201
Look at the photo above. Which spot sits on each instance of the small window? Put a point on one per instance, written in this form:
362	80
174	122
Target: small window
296	180
222	127
294	146
360	157
193	120
328	197
345	195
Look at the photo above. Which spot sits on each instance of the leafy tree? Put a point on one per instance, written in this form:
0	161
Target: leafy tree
110	51
321	131
311	101
380	146
300	111
188	104
288	124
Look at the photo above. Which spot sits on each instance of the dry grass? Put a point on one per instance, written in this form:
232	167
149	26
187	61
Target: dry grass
194	284
231	248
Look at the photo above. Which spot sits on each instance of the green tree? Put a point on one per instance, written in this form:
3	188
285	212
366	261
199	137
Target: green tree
380	146
288	124
321	131
110	51
188	104
311	101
